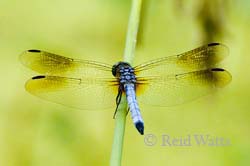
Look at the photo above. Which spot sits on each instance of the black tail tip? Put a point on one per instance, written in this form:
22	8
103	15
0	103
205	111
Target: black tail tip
140	127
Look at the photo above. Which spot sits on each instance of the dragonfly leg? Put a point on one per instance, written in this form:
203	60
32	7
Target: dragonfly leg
118	100
127	111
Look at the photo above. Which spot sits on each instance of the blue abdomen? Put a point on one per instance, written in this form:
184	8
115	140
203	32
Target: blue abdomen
133	107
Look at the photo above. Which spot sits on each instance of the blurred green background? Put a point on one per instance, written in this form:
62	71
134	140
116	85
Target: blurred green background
34	132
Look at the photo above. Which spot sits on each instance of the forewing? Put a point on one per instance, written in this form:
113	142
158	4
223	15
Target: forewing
201	58
175	89
51	64
87	93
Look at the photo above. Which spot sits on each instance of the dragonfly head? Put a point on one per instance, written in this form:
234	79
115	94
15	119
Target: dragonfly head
118	66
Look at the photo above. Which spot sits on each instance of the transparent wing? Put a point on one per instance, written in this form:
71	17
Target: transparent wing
51	64
198	59
87	93
175	89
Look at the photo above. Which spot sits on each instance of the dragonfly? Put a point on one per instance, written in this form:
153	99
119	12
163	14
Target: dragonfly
91	85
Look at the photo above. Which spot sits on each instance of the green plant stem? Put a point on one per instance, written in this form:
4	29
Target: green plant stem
133	27
120	120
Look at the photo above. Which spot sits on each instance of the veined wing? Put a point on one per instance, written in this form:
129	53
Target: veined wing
175	89
201	58
51	64
83	93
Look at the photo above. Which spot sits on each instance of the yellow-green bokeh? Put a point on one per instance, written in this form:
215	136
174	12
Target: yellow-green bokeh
34	132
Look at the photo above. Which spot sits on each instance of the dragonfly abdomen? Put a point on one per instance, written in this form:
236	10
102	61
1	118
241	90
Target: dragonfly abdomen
133	107
127	80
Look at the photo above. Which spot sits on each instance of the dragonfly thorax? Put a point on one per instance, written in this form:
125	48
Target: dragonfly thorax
124	72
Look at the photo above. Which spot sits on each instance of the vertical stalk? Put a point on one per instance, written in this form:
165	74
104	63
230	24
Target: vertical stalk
120	120
133	27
